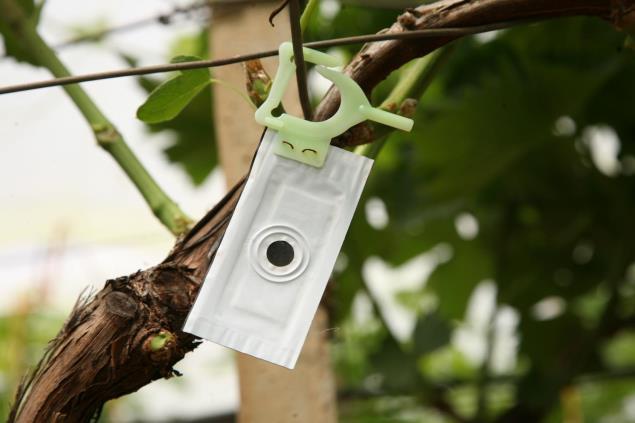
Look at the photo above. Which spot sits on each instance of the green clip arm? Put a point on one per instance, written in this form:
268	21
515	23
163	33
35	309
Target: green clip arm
286	69
307	141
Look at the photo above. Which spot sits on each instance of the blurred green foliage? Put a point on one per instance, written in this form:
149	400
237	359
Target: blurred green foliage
24	334
509	133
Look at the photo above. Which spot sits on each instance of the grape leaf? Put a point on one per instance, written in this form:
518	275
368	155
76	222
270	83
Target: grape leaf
170	98
194	146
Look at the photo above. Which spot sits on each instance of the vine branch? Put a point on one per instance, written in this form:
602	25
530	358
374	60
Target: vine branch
106	134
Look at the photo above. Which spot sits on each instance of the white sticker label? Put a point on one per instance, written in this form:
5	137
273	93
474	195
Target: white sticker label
277	255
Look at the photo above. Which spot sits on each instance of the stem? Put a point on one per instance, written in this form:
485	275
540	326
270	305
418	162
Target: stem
483	374
413	83
300	65
307	13
407	82
107	136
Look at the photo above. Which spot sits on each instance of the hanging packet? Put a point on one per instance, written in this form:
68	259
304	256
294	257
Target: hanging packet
280	247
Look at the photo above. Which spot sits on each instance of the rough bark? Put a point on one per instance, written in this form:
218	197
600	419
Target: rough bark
236	130
105	350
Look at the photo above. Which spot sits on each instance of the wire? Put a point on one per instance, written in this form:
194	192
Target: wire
163	18
300	66
358	39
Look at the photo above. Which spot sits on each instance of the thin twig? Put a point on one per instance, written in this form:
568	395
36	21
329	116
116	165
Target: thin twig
298	54
358	39
162	18
309	9
277	11
105	133
413	83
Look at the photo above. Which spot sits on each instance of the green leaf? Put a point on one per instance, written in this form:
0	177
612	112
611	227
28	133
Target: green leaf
432	332
620	351
170	98
398	369
194	146
455	280
445	364
607	401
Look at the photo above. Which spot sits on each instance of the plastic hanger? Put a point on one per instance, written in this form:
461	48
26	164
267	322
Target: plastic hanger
306	141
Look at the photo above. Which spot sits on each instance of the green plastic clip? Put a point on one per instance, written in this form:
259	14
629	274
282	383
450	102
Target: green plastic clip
308	142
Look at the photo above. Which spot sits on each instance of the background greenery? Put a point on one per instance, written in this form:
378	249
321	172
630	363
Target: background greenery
504	137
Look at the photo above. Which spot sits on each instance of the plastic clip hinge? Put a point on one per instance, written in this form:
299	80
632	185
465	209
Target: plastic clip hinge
308	142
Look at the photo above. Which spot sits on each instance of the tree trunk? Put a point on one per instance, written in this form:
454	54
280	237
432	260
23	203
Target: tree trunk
268	393
128	334
236	129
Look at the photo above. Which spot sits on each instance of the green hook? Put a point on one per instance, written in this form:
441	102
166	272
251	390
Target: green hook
307	141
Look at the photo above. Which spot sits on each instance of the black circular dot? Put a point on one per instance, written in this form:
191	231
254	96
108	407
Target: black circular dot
280	253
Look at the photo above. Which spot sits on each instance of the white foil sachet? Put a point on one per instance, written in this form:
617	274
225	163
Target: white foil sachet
278	252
